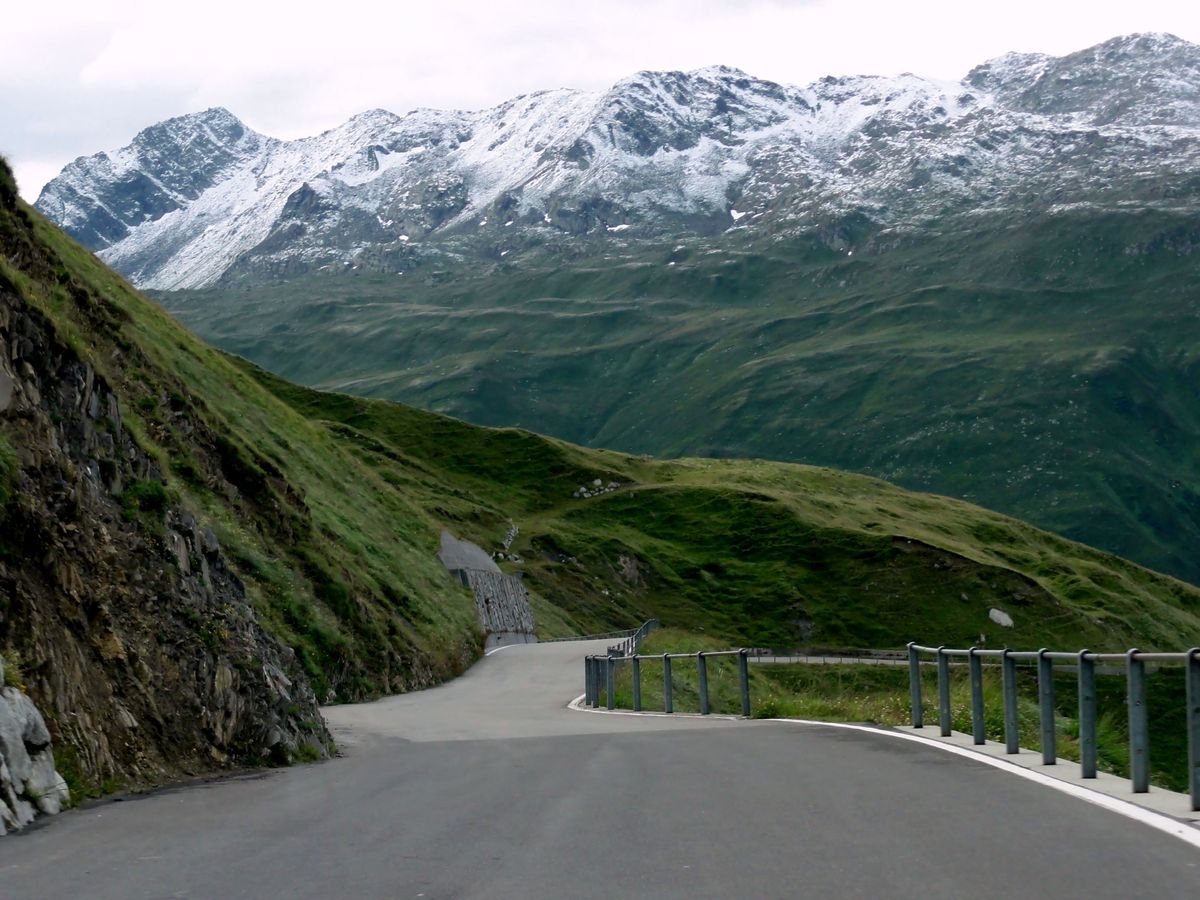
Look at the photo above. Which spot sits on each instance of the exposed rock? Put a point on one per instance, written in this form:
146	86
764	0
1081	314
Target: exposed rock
458	555
29	782
502	601
1000	617
6	390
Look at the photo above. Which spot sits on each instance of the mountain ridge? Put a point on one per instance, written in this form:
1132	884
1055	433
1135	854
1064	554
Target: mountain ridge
202	199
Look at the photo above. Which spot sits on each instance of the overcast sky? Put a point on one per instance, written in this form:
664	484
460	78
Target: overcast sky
79	76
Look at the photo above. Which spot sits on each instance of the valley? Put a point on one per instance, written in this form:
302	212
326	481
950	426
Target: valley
983	288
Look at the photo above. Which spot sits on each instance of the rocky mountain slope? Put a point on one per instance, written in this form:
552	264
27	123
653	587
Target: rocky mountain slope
169	594
203	199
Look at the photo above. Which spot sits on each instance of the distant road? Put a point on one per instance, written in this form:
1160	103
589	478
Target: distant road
490	787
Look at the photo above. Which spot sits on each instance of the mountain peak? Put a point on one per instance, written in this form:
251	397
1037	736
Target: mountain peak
217	119
711	150
718	71
1146	42
373	117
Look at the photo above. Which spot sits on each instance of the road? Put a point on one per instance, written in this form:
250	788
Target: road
490	787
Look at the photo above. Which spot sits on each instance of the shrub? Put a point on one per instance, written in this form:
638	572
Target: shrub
146	497
9	466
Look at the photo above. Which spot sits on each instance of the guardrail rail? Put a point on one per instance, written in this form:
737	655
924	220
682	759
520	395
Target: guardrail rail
1133	665
600	675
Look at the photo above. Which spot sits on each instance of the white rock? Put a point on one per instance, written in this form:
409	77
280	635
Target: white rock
12	736
45	786
26	764
1000	617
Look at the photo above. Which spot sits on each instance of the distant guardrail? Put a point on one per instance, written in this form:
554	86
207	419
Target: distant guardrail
599	672
633	642
606	635
1084	663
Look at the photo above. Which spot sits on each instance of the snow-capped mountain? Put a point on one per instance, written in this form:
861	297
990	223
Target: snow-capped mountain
203	198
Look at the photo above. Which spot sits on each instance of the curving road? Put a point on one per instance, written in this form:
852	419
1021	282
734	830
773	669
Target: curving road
490	787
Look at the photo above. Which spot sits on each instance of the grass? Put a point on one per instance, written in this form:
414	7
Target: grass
339	563
8	473
752	551
14	670
1043	367
329	508
879	694
145	497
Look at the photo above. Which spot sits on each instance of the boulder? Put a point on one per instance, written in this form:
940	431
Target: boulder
29	783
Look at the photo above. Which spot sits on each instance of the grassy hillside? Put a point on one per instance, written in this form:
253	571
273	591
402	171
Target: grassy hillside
340	564
1046	368
751	551
330	506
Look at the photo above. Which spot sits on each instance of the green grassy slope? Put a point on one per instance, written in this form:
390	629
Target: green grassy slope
341	564
1047	368
330	507
752	551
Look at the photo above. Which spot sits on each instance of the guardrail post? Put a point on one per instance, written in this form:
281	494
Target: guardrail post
587	681
975	664
914	686
744	679
608	682
1046	707
1139	752
1193	724
636	668
668	703
943	675
1012	740
702	670
1087	715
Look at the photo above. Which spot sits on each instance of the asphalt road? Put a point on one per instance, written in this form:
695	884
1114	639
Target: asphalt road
490	787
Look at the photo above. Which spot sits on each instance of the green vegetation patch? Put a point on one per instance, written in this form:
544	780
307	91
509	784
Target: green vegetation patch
1044	367
147	496
9	467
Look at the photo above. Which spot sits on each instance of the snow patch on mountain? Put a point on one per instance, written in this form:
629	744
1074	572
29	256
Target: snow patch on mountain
194	198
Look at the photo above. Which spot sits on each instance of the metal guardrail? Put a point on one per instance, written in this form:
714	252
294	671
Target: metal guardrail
633	642
840	653
1084	662
599	673
625	632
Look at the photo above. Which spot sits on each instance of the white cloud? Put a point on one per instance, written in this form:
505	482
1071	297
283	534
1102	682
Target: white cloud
81	76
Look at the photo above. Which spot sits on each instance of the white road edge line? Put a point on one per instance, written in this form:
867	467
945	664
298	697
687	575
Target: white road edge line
498	649
1158	821
577	705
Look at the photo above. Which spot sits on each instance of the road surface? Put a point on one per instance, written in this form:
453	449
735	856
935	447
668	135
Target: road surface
490	787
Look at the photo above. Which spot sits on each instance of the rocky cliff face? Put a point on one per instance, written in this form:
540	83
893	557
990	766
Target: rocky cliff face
714	153
138	643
